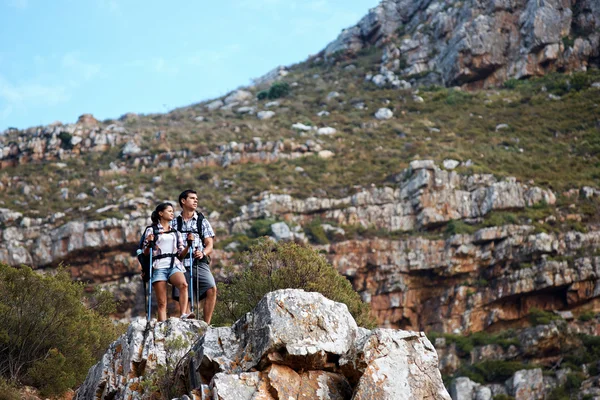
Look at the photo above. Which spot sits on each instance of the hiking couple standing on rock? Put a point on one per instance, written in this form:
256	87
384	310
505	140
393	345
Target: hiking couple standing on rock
185	265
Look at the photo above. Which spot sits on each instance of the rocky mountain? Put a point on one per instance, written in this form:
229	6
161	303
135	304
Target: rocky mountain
477	43
292	344
443	156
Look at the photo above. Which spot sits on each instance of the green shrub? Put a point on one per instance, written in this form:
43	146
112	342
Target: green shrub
263	94
48	336
541	317
496	218
456	97
503	397
271	266
8	391
574	381
587	316
315	232
261	227
511	83
51	375
456	227
559	393
465	344
491	371
278	89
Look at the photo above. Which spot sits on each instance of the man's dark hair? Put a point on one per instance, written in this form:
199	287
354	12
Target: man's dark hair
185	194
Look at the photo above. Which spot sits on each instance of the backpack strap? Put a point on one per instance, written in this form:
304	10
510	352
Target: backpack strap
198	225
172	255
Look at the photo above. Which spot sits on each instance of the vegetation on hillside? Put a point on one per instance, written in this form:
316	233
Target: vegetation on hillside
271	266
550	142
51	333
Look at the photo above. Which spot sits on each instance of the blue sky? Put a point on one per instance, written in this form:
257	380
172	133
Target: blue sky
62	58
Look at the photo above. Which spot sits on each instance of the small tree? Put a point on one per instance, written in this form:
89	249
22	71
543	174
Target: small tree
272	266
48	337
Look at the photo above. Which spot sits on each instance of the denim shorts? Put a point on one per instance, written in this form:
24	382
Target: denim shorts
164	274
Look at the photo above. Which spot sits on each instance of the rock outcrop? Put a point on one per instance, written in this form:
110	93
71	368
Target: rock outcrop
469	283
292	344
426	196
477	43
59	142
463	283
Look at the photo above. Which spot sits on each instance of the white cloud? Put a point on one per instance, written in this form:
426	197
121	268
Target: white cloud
22	96
86	70
20	4
5	112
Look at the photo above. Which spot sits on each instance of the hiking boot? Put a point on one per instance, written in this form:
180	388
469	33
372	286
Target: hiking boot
188	316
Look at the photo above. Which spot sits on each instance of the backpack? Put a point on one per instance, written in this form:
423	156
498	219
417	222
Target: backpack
144	260
198	225
198	229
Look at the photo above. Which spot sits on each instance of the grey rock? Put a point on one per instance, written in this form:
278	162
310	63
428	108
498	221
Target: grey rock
301	127
326	131
246	110
500	127
130	148
384	113
462	388
527	384
238	96
270	104
281	231
215	105
450	164
262	115
117	374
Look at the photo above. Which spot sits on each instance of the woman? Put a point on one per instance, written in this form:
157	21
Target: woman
166	254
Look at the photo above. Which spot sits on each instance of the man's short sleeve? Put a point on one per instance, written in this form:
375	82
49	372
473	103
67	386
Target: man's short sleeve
207	230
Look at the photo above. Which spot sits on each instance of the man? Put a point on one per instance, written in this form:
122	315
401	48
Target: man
203	283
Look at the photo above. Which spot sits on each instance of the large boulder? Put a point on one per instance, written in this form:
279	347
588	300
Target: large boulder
294	344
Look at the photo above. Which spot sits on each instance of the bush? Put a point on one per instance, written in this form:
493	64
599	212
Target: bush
541	317
48	337
503	397
587	316
263	94
315	232
261	227
272	266
278	89
8	391
456	227
491	371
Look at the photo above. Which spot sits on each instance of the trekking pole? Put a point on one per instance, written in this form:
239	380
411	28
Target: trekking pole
150	289
192	275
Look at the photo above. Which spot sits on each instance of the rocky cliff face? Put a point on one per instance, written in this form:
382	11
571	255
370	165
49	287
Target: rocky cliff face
468	283
293	343
477	43
462	283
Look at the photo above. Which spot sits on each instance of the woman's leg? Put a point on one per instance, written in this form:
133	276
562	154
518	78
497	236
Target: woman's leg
178	280
160	289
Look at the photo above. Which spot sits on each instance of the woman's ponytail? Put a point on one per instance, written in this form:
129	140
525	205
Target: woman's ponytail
155	217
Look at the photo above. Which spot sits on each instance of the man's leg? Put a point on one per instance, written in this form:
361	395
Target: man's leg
209	304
